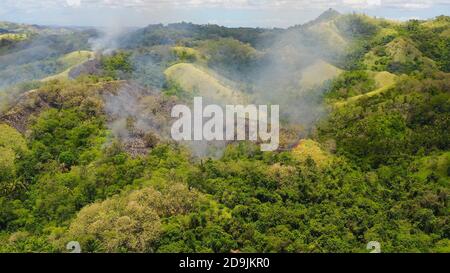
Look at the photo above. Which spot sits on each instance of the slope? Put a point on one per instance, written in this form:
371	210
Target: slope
318	73
384	81
70	61
201	81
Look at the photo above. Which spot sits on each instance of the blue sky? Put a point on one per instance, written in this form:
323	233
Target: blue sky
263	13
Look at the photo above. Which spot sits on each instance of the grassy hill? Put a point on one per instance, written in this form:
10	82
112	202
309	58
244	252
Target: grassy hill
309	149
200	81
12	37
329	32
70	61
383	80
398	56
318	73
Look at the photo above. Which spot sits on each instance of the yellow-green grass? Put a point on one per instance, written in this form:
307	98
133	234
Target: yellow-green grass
319	72
435	163
76	57
185	53
383	78
385	32
11	138
436	24
329	32
446	33
11	141
400	50
13	36
70	61
370	60
308	148
203	82
384	81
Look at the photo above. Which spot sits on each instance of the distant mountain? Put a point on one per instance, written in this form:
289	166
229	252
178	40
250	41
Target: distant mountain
327	15
171	33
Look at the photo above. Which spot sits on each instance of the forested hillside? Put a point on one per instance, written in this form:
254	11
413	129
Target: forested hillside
86	155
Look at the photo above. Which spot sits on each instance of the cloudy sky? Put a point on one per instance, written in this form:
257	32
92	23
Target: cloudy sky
264	13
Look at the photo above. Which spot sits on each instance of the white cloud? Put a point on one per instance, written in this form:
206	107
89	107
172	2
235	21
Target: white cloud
73	3
267	13
255	4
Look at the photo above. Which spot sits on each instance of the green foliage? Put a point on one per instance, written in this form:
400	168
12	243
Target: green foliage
188	33
10	138
351	83
172	88
63	136
130	222
40	55
185	54
411	118
231	57
117	65
356	26
430	41
12	145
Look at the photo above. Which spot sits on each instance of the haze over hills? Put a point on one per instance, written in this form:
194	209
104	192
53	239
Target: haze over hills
86	153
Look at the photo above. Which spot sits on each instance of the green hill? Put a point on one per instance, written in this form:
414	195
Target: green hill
70	61
383	80
202	82
318	73
398	56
